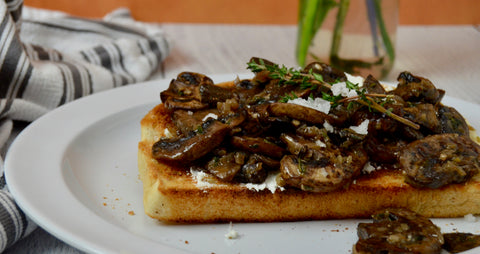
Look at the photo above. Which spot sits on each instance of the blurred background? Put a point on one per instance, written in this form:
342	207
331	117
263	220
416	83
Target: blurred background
412	12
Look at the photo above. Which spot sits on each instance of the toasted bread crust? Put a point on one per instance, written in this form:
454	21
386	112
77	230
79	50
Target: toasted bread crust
171	194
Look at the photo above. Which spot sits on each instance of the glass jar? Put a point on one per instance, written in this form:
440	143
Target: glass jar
356	36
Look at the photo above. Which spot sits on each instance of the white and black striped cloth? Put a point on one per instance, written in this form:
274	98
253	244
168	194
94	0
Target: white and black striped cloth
48	59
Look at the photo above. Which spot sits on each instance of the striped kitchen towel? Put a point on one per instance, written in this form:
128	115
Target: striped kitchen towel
50	58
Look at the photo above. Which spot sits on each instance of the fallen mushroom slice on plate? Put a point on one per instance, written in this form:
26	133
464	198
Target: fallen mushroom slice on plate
398	231
458	242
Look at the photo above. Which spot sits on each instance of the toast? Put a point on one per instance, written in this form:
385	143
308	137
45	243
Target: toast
176	195
179	194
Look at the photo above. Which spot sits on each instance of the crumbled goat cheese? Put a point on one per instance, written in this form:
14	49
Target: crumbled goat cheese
337	89
270	184
368	168
320	143
389	86
361	128
470	218
231	234
342	89
318	104
328	127
201	179
355	79
210	115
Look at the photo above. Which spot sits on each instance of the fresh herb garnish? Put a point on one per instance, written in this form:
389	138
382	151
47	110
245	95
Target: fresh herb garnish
334	100
310	80
288	76
301	167
288	97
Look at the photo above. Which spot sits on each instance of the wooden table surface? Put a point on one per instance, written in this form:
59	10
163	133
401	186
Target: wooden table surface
448	55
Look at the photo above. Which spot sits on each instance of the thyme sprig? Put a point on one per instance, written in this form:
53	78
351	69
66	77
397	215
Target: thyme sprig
388	112
289	76
311	80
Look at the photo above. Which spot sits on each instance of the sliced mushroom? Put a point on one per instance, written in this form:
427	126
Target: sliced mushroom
184	92
396	230
226	166
331	172
262	76
258	145
187	121
211	94
255	170
416	89
304	147
246	89
383	149
459	242
441	159
299	112
343	113
189	148
274	91
451	121
312	132
372	85
382	142
193	78
424	114
260	122
313	167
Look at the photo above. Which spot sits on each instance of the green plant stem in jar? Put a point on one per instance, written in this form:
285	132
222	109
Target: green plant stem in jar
356	36
311	15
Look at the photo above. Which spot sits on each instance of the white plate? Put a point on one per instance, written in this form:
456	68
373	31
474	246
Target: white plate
74	171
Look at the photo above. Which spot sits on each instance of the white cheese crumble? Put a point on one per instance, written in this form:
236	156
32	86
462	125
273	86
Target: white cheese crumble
361	128
389	86
328	127
269	184
318	104
320	143
470	218
232	233
210	115
201	178
342	89
355	79
368	168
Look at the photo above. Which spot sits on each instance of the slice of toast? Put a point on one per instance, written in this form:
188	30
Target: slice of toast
183	195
